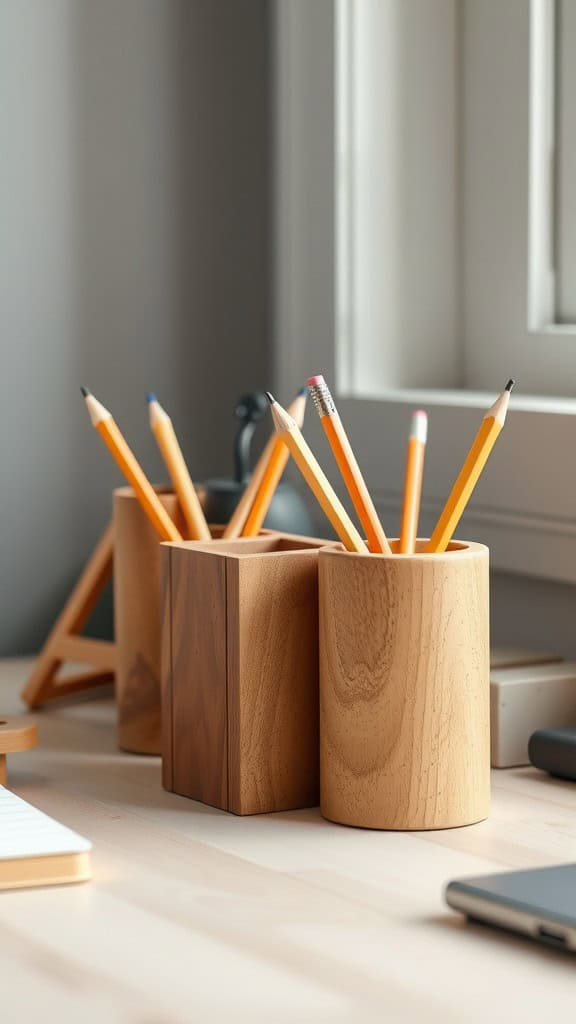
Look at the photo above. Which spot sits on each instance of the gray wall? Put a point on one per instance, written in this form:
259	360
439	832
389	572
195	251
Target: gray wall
533	613
133	256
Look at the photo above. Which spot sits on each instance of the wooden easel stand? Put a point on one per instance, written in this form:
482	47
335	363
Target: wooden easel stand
65	643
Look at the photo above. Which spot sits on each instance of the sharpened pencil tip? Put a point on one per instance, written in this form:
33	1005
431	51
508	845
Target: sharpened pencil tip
270	397
303	391
510	384
85	391
150	396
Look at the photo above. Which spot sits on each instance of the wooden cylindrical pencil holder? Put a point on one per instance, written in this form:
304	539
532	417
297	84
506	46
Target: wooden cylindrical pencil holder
404	688
137	620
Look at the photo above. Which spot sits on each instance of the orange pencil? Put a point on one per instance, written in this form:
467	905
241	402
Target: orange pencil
348	465
240	514
413	483
273	470
102	420
315	478
161	426
238	518
468	477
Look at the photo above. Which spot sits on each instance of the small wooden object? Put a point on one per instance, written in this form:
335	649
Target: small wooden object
65	643
404	688
240	673
526	698
15	734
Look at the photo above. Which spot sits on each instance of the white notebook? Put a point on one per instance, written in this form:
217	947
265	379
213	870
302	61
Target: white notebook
35	849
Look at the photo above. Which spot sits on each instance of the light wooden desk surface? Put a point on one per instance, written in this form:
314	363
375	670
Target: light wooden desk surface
194	915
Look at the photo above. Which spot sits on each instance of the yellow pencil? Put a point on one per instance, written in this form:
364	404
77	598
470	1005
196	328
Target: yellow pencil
102	420
413	483
348	466
273	470
468	477
165	435
239	516
315	478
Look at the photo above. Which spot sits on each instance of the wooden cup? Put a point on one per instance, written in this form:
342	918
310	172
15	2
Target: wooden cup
137	620
240	672
404	688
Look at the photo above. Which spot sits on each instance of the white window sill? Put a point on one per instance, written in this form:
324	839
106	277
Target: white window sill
463	398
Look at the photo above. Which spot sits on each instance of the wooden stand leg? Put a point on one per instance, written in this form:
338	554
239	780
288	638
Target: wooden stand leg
64	642
2	769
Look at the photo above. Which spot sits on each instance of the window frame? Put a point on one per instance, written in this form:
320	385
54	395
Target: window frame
530	528
544	163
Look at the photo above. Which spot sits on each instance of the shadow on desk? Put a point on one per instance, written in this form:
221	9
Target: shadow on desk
78	726
554	781
79	738
477	931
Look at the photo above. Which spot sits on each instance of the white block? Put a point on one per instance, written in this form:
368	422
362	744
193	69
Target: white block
525	699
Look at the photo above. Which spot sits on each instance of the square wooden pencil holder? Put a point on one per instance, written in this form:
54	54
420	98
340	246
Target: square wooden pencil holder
240	672
404	688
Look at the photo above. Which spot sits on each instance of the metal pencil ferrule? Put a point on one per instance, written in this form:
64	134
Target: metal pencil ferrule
323	401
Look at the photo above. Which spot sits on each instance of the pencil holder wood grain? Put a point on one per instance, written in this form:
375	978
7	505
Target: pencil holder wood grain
404	688
240	672
137	620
